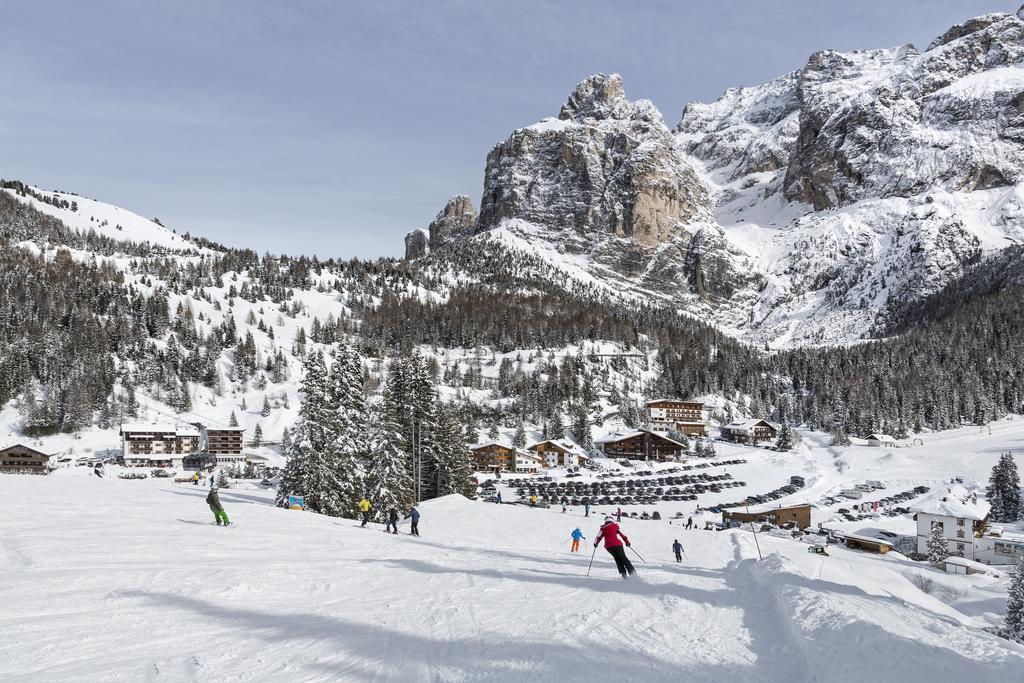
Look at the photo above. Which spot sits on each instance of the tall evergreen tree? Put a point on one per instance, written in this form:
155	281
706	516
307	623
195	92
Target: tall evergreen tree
233	421
519	439
1015	603
1004	490
388	484
317	468
785	440
938	547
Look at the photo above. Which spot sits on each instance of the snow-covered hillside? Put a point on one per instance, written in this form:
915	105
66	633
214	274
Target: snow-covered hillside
105	579
84	214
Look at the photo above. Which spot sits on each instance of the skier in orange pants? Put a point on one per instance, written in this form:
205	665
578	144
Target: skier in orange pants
576	536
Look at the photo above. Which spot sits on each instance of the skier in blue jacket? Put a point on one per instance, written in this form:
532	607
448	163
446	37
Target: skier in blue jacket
577	535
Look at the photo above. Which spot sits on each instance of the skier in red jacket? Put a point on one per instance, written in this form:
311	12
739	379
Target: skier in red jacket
610	533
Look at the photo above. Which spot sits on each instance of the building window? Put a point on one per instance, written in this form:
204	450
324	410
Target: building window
959	522
959	533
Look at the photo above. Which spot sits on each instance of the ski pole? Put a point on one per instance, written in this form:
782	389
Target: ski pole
591	560
637	554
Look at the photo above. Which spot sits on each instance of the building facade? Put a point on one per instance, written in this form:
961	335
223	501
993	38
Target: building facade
494	457
22	459
157	445
750	431
225	444
783	514
641	444
687	417
555	453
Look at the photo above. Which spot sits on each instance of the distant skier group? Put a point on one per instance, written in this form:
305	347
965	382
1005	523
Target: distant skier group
392	516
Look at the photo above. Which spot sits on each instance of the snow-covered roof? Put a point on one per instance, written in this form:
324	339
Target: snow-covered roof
622	436
225	429
747	425
764	509
957	502
492	442
866	539
880	437
970	564
186	431
566	444
156	428
672	400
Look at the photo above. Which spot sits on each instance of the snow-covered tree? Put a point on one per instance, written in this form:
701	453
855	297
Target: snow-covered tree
1015	603
233	421
452	467
257	436
319	467
938	548
387	482
1004	490
222	480
785	440
265	412
556	428
519	439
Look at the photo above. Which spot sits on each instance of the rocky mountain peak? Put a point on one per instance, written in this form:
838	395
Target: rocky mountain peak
598	97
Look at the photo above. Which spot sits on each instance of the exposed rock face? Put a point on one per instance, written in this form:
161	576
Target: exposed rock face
606	167
417	243
897	122
458	217
606	179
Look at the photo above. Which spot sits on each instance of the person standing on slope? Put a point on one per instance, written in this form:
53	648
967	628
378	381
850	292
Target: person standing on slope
689	523
618	516
498	499
414	516
364	507
677	548
195	479
213	500
577	535
392	525
586	507
533	501
611	535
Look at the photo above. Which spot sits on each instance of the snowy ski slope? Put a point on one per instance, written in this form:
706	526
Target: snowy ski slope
105	579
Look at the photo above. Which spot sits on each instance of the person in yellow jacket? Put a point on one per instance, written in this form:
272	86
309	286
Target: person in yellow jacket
533	501
364	507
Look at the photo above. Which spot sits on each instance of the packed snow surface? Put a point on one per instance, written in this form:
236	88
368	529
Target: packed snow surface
108	579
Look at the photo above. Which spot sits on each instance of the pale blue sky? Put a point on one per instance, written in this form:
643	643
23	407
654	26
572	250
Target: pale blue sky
333	128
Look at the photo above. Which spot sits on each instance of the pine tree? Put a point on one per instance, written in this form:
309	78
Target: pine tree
257	436
233	422
519	439
1004	490
286	439
556	429
222	480
318	468
388	483
1015	604
492	431
266	406
938	548
785	440
452	467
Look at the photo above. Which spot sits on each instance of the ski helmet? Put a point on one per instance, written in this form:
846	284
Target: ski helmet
608	519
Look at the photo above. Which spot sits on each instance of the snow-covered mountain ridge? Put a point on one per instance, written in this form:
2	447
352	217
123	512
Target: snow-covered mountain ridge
787	213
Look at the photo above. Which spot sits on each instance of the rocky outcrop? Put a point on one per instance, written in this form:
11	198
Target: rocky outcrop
458	217
417	243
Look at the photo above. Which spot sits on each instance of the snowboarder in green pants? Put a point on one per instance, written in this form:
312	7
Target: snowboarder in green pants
213	500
